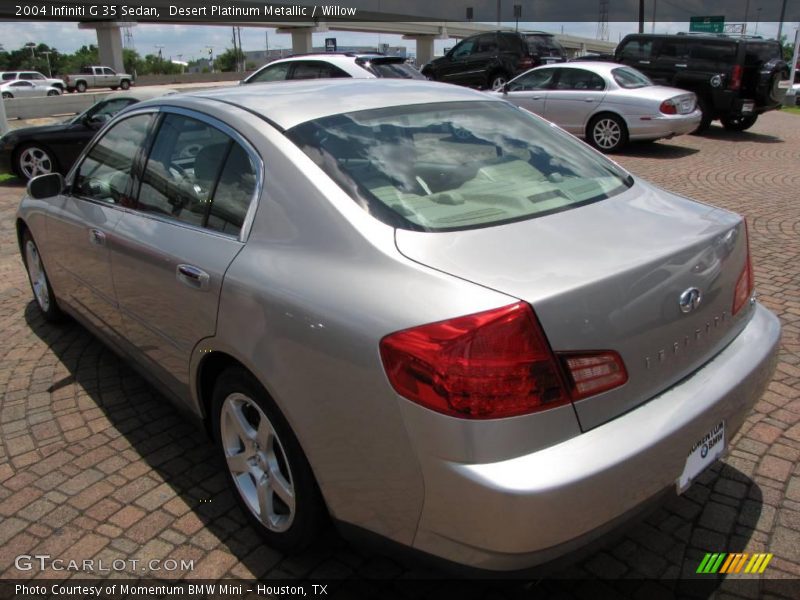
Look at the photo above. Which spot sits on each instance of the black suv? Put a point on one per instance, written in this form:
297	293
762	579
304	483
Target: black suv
492	59
735	78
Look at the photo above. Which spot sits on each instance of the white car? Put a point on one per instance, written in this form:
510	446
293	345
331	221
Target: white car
26	89
32	76
607	104
328	65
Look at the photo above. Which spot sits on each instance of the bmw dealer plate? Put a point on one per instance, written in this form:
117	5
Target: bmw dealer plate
747	108
702	454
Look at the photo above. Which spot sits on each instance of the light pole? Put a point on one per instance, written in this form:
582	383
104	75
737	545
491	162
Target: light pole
758	18
31	45
49	70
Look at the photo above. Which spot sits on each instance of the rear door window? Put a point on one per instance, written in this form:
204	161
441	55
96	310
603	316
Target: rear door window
315	69
487	43
673	50
579	79
716	55
637	49
198	175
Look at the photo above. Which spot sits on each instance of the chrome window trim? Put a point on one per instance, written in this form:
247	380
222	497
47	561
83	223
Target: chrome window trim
247	225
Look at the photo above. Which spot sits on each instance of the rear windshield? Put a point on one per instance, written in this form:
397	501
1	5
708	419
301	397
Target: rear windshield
392	69
630	78
544	45
457	165
759	53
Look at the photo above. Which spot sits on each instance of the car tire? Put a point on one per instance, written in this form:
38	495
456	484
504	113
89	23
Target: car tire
497	80
80	87
40	283
31	160
265	465
53	93
607	132
739	123
705	116
125	84
7	95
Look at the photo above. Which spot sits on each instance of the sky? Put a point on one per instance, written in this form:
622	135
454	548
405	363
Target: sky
188	42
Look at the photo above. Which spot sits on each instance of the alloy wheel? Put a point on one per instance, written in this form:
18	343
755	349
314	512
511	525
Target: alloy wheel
257	462
607	133
37	275
34	161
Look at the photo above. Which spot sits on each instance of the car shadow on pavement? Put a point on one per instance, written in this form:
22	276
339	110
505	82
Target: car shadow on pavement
656	150
175	483
716	132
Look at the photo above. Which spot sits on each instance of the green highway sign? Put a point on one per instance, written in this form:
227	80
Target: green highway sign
707	24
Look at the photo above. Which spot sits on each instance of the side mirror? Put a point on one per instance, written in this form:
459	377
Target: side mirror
95	121
506	87
46	186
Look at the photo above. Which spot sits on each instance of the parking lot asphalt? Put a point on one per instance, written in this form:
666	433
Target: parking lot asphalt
96	464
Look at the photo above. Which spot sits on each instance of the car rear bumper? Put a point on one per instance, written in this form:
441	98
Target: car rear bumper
531	509
657	127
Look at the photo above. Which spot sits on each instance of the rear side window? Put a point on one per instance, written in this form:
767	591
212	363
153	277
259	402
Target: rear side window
9	76
197	174
544	45
756	54
392	69
630	78
637	49
715	54
316	70
105	173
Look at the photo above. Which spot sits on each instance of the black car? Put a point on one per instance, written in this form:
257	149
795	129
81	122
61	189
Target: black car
32	151
735	78
492	59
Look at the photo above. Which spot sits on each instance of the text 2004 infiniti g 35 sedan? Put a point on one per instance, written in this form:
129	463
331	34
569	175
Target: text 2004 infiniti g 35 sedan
419	310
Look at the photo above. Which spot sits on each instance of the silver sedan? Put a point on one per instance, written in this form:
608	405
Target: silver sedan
23	88
409	307
605	103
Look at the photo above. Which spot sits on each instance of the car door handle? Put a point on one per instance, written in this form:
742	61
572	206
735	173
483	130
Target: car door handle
644	62
97	237
193	277
588	99
682	66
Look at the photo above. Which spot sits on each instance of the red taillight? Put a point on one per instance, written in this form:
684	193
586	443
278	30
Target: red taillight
482	366
668	107
525	63
593	373
736	77
745	284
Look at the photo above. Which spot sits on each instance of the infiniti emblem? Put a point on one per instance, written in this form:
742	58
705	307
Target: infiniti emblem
690	299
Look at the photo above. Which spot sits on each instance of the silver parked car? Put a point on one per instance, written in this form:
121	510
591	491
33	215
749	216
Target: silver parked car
606	103
409	306
20	88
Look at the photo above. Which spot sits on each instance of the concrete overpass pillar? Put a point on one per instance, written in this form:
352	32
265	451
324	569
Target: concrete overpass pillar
424	48
302	41
109	42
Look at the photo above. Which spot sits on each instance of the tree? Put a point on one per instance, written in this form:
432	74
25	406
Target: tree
228	60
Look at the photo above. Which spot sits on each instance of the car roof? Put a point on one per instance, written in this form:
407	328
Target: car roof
141	94
596	66
289	103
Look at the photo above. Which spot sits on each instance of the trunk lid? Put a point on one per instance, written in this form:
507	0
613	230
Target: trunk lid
609	276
